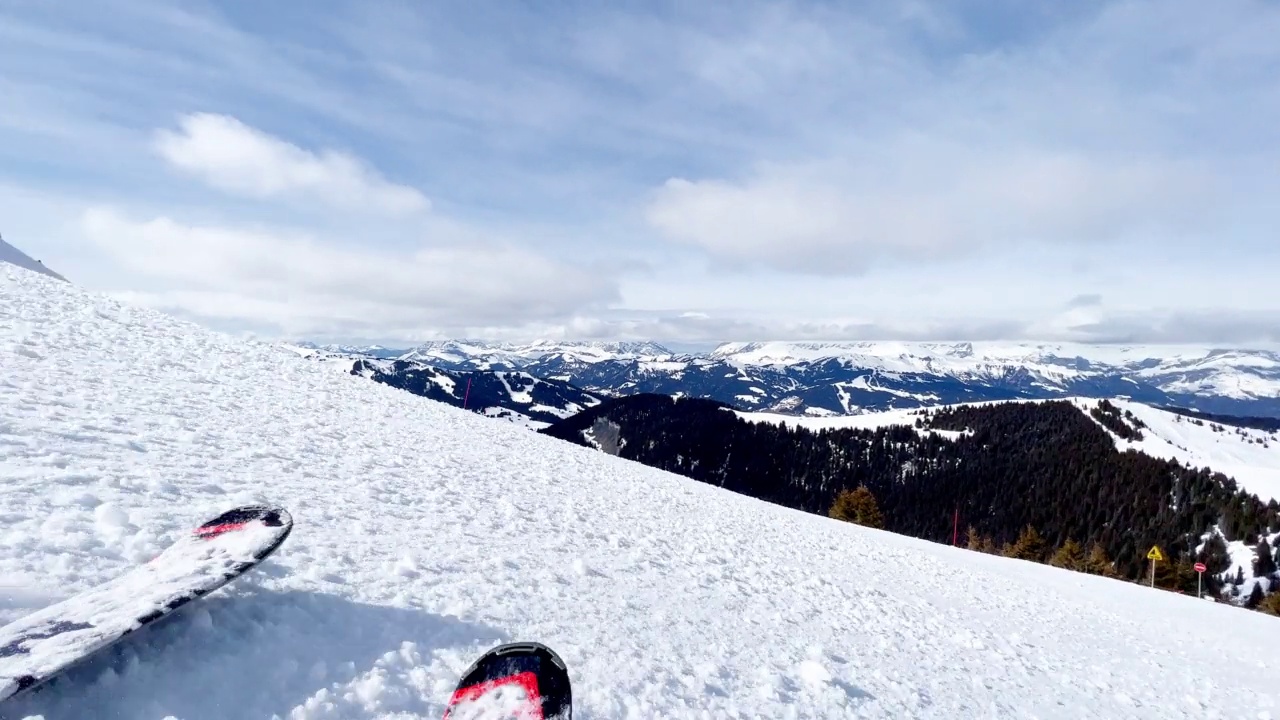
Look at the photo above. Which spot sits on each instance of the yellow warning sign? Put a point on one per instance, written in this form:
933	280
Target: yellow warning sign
1155	554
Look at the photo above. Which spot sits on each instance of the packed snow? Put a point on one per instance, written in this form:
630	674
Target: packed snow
425	534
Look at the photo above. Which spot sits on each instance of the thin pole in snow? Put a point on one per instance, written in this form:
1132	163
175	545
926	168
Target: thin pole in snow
467	394
955	528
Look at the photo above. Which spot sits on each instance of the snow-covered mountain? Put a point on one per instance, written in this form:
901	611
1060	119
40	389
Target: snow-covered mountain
477	355
506	394
373	351
425	534
849	378
14	256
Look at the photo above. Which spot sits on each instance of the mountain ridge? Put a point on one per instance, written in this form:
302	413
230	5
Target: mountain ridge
847	378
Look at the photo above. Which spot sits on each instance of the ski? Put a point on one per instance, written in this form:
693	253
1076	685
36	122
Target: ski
36	648
515	681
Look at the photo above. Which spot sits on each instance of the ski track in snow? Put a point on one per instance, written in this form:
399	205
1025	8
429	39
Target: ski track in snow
425	534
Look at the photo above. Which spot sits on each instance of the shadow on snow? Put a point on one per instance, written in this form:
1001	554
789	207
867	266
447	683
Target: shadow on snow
258	653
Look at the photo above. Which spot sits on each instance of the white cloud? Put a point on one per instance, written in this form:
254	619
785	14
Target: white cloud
236	158
298	284
935	201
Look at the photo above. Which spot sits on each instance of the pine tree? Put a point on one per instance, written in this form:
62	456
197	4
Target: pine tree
1030	545
1098	563
1263	563
1255	596
974	540
1271	603
1183	576
857	506
1214	555
1239	578
1070	556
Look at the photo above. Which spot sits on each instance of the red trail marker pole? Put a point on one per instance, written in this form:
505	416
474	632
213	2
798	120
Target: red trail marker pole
955	528
466	394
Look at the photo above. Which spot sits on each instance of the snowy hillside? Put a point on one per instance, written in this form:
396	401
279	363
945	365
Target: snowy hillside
14	256
1252	457
425	534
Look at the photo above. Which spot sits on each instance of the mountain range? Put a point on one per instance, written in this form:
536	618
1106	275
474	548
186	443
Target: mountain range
508	394
849	378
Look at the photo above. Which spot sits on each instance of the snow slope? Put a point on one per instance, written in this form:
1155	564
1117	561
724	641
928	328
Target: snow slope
425	534
1251	456
14	256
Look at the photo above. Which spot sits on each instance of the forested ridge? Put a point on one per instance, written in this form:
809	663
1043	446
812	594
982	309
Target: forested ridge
1002	468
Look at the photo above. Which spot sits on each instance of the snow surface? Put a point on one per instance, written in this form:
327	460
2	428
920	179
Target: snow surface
14	256
425	534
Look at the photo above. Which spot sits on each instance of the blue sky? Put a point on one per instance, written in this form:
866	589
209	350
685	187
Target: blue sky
687	172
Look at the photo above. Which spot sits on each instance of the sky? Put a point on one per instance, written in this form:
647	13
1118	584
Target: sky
394	172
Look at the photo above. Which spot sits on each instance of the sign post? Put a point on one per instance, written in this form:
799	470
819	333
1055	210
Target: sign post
1155	556
1200	568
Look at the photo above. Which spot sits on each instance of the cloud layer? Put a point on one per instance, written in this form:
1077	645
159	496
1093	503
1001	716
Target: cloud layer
233	157
301	284
934	203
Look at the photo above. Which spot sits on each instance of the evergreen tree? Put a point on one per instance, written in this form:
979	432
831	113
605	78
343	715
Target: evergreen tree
1264	563
974	541
1185	577
1271	603
1070	556
1214	555
1098	563
1239	578
1255	596
1030	545
857	506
